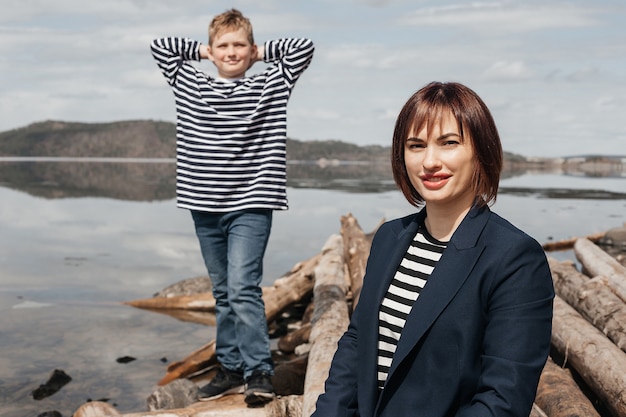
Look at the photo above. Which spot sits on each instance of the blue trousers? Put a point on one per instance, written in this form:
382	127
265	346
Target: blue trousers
233	246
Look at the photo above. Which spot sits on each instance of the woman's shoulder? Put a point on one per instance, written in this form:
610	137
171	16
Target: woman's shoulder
503	230
403	222
399	226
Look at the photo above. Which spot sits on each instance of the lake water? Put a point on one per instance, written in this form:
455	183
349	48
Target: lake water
79	238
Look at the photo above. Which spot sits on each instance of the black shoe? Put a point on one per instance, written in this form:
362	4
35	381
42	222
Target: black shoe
259	389
225	382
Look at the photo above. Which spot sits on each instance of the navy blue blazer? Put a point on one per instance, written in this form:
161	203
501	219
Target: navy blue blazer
475	341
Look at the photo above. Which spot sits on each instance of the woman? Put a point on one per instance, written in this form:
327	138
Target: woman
455	312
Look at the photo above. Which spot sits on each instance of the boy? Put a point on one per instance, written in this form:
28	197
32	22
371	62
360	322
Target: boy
231	134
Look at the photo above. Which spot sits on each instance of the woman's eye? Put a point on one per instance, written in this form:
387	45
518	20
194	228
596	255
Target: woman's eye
414	145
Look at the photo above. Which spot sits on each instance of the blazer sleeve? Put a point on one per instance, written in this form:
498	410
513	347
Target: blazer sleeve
516	341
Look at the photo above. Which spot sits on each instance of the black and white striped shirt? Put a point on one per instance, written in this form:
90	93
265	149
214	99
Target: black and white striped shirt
410	278
231	135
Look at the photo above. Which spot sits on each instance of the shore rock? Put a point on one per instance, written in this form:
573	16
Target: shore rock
188	286
179	393
615	237
614	243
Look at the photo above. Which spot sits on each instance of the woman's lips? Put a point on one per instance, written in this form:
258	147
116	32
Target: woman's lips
433	182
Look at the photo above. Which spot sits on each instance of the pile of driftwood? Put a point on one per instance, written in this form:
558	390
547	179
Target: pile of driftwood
310	306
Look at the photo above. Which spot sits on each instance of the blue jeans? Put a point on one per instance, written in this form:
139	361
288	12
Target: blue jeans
233	245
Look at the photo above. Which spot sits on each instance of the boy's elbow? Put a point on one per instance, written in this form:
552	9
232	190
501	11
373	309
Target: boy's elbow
309	47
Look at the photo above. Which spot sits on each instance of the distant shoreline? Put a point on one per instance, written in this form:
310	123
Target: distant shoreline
149	141
83	159
614	167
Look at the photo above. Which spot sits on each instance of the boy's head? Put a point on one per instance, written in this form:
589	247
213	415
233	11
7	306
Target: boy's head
231	44
230	21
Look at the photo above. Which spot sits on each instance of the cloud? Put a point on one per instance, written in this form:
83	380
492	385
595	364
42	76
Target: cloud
509	71
317	114
584	74
364	56
504	16
580	75
376	3
612	103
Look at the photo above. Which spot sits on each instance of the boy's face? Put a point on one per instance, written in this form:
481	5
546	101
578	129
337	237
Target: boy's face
232	53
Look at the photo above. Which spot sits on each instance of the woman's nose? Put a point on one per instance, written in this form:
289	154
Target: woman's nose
431	159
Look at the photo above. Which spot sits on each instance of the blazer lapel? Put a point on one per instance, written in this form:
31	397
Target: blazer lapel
447	278
382	266
399	241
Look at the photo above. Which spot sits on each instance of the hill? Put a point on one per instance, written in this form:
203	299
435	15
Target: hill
147	139
132	139
156	139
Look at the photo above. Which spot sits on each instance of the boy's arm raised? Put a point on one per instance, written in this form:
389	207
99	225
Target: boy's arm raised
293	55
171	54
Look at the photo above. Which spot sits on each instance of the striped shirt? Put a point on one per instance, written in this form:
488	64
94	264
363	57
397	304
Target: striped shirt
410	278
231	135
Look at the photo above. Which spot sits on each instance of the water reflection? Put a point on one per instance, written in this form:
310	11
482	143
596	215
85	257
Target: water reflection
131	181
154	180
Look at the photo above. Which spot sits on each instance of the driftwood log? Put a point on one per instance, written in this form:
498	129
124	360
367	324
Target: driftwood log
597	262
298	337
356	251
593	299
292	287
558	395
537	412
96	409
567	244
200	359
195	302
330	319
228	406
600	363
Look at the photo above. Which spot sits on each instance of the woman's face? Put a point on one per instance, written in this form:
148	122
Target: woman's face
440	165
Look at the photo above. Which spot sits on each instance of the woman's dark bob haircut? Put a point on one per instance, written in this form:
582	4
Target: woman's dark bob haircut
425	108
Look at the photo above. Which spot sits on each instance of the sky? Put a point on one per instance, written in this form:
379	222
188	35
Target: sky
552	72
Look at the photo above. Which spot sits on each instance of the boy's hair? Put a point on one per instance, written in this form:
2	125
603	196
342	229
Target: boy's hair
230	20
425	108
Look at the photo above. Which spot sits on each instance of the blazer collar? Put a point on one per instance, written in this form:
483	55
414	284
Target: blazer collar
466	235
